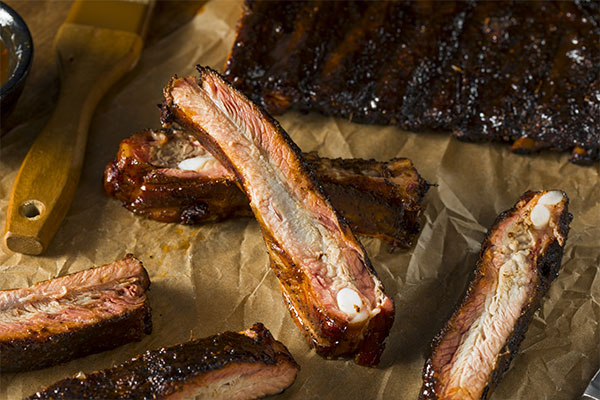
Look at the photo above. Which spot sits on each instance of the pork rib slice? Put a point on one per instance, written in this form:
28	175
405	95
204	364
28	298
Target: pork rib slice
74	315
519	259
230	365
168	176
327	280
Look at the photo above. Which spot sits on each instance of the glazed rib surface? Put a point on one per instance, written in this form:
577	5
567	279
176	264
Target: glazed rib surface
168	176
74	315
326	278
519	72
519	259
230	365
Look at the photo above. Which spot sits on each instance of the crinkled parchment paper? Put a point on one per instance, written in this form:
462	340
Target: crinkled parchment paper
216	277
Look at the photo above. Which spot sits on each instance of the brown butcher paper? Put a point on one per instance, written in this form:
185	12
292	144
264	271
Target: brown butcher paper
216	277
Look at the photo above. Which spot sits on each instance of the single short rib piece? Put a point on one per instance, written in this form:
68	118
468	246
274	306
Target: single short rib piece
168	176
230	365
519	259
75	315
326	278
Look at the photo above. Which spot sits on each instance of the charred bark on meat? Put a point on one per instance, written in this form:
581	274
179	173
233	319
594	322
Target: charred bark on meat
243	365
524	73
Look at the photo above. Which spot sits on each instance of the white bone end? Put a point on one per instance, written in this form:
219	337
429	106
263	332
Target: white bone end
350	303
194	163
551	198
540	216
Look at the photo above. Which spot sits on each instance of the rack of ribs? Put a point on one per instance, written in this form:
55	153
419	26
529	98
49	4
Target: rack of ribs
327	280
518	72
168	176
519	259
230	365
74	315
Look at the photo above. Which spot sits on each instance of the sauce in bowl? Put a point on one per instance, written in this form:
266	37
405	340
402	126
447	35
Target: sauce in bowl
16	55
5	63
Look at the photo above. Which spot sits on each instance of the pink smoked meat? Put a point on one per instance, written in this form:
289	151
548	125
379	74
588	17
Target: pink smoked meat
327	280
519	259
74	315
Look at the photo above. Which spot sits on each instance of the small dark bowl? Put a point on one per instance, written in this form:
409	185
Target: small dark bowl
16	37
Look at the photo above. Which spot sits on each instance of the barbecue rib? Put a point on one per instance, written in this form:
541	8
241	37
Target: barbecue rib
230	365
168	176
326	278
74	315
520	72
519	259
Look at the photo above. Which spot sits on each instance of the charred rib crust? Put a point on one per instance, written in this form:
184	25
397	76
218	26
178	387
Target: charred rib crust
41	348
29	354
158	374
394	225
547	267
433	65
351	195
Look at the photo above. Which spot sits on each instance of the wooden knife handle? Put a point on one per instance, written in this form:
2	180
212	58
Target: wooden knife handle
90	60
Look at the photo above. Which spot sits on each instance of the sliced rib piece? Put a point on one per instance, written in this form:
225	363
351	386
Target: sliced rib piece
168	176
326	278
519	259
230	365
378	199
74	315
146	177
